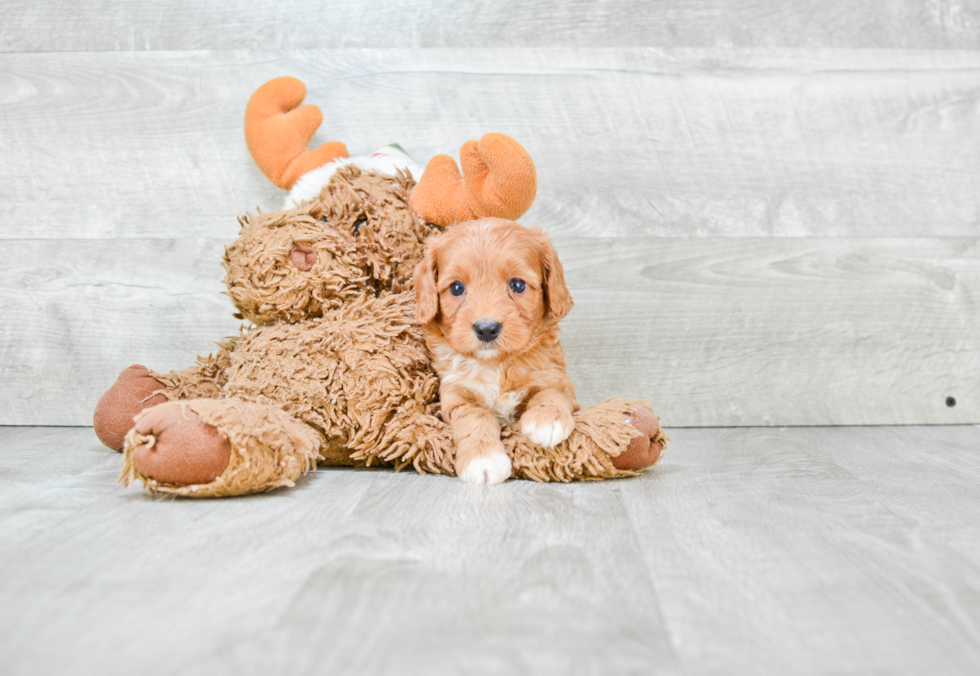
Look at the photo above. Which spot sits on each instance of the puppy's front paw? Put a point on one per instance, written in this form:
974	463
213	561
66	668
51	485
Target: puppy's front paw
546	425
487	470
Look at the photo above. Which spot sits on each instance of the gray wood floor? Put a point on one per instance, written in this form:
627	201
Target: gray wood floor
752	550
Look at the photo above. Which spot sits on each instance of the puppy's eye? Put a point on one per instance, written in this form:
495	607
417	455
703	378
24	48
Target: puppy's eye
518	286
457	289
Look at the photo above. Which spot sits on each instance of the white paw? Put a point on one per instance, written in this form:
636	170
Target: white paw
546	434
487	470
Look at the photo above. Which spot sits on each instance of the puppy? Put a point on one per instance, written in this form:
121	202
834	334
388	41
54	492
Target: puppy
489	296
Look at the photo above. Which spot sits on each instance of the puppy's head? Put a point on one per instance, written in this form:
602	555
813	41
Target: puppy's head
491	287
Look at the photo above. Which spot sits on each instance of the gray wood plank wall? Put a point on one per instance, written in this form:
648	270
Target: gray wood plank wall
122	25
769	212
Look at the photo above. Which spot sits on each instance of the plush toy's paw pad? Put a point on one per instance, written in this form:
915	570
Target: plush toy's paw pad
133	391
178	447
546	426
487	470
645	448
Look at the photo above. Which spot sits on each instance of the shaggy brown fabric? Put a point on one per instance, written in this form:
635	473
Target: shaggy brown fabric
357	374
601	432
265	285
336	369
206	380
268	449
359	236
389	238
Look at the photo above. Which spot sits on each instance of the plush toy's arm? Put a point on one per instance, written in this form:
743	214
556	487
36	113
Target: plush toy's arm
278	132
498	179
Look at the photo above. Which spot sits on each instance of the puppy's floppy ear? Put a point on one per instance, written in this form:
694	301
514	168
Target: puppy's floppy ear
426	292
558	300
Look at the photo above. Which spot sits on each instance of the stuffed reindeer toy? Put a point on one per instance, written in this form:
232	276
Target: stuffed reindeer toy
333	367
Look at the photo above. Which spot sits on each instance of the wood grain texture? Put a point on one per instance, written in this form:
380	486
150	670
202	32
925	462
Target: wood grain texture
352	572
820	550
82	310
688	143
660	170
291	24
712	331
764	551
779	331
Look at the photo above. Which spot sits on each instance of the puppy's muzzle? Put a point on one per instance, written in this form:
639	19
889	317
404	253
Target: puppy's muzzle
487	330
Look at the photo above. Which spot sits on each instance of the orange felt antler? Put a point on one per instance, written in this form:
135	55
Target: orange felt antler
498	179
278	133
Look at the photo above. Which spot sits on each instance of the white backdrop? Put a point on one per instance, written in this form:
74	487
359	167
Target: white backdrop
768	212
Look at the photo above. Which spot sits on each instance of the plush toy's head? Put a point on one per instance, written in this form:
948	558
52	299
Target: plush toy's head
357	237
353	226
287	266
388	237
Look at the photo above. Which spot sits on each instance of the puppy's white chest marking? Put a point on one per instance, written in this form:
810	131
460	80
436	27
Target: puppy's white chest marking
480	379
506	403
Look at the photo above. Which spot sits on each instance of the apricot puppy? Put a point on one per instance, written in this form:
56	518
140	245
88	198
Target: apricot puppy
489	297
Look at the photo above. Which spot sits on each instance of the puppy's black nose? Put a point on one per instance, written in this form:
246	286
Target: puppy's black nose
486	330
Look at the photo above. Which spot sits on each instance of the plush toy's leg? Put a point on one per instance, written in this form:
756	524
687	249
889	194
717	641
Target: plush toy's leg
644	449
612	439
498	179
133	391
174	446
415	438
204	380
217	448
138	388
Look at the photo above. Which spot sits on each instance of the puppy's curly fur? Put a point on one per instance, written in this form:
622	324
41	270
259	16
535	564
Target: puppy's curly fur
489	294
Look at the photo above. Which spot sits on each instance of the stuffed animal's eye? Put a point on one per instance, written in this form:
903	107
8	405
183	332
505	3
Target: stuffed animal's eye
457	289
518	286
